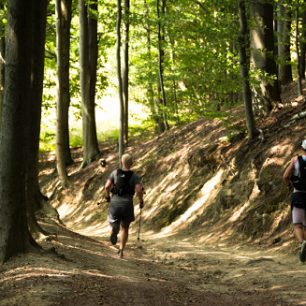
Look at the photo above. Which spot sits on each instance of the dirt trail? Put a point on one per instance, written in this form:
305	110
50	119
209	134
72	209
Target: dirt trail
160	272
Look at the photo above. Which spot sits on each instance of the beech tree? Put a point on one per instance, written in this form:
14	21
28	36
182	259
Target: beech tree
2	56
63	22
246	89
35	198
303	44
160	13
125	68
14	234
262	47
284	16
88	58
297	49
119	75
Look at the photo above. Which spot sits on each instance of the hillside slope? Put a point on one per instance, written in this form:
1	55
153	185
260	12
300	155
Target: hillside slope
198	184
216	211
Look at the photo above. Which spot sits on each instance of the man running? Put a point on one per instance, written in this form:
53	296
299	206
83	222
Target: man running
120	188
295	176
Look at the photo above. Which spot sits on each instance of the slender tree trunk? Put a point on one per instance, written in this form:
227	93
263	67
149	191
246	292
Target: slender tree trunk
262	38
121	101
284	30
90	142
297	47
150	88
161	86
303	45
247	94
93	62
63	154
174	79
125	68
2	57
14	234
38	56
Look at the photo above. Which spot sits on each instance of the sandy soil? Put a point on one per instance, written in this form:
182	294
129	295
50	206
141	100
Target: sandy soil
168	271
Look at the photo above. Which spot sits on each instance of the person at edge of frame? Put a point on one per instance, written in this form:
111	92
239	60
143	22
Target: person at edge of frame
295	178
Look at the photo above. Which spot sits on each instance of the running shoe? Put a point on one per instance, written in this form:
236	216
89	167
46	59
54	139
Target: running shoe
303	251
113	238
120	253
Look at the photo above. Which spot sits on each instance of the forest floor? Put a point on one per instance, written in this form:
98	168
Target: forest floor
167	271
216	225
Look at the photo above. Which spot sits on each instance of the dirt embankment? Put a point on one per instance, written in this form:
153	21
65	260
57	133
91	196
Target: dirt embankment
215	230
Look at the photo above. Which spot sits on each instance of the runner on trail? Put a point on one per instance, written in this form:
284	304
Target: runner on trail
120	188
295	177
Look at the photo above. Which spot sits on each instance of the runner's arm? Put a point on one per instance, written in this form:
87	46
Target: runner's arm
139	194
107	188
288	172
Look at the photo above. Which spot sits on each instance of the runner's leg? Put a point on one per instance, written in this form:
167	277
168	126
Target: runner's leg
124	235
298	217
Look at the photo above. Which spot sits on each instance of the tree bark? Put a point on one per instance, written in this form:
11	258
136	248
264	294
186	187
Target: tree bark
303	46
262	46
93	62
283	31
150	88
120	85
90	141
247	93
14	234
38	56
63	154
161	86
297	47
2	57
125	69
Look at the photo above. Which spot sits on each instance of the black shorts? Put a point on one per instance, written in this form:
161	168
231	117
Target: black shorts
123	214
298	199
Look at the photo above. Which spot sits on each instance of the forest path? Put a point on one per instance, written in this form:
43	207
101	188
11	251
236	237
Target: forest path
165	271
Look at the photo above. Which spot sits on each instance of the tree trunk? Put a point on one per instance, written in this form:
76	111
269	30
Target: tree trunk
297	47
2	57
174	103
93	62
63	154
303	46
150	89
247	94
161	86
262	40
120	85
14	234
90	142
125	69
38	56
283	31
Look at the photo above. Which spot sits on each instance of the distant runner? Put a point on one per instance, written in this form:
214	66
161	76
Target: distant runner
120	188
295	176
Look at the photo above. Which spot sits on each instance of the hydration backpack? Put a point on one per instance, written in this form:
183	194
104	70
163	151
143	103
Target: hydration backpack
122	184
299	181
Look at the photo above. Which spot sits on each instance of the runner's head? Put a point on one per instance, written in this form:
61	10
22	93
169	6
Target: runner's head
127	161
303	145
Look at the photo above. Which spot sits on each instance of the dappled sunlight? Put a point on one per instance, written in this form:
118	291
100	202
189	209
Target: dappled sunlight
198	206
21	273
64	210
240	210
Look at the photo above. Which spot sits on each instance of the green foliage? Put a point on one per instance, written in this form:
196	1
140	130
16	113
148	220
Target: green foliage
201	66
200	63
75	138
47	141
